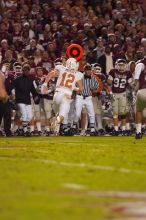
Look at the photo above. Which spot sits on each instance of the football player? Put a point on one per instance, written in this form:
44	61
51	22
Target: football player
119	78
69	79
140	82
46	100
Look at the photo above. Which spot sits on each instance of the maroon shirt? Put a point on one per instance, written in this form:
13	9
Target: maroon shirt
9	78
119	80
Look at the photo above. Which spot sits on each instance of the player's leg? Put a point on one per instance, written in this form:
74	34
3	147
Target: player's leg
98	115
37	116
7	119
1	117
91	114
84	121
115	107
30	117
62	102
122	111
23	112
66	126
140	105
32	121
47	106
79	102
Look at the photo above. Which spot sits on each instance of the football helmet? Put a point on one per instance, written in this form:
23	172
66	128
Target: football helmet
72	64
121	65
96	68
57	62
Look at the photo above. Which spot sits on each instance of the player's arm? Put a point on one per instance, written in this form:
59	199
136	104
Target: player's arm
109	87
138	69
3	93
52	74
109	84
79	86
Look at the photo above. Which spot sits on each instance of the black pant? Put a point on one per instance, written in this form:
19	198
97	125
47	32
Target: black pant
5	114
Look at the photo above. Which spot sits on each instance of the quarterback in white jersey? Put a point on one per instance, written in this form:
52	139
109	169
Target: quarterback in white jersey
69	79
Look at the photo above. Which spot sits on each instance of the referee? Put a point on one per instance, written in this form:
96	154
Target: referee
84	99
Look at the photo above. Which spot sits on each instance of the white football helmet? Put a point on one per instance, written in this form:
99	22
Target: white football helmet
121	65
96	68
72	64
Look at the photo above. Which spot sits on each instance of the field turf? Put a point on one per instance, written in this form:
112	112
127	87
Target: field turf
72	178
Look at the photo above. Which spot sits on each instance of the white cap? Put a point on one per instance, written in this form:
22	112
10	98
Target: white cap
25	24
4	41
143	40
32	40
87	24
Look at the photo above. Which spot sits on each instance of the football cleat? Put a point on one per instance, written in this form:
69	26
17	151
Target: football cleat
83	133
27	134
1	134
115	133
101	132
47	133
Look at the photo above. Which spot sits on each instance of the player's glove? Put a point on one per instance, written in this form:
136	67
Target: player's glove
112	96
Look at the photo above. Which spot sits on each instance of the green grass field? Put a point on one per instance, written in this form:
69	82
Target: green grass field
72	178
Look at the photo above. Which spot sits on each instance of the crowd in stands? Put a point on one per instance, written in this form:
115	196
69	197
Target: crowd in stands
44	29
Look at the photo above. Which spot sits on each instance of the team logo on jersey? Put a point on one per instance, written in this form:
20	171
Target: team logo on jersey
75	51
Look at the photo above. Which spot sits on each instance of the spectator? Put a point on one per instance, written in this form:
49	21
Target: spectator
106	60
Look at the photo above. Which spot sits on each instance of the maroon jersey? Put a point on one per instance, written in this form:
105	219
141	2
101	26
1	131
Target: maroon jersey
52	83
119	80
9	77
142	77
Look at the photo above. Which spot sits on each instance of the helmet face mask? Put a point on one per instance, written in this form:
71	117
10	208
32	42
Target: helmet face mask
121	65
57	62
96	69
72	64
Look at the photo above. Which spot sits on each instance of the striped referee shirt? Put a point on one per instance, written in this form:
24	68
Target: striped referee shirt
89	82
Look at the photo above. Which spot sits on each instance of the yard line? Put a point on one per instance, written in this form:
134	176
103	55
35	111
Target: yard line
110	194
74	186
13	148
80	165
118	194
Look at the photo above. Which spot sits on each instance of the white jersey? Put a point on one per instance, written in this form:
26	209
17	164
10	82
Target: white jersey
66	81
